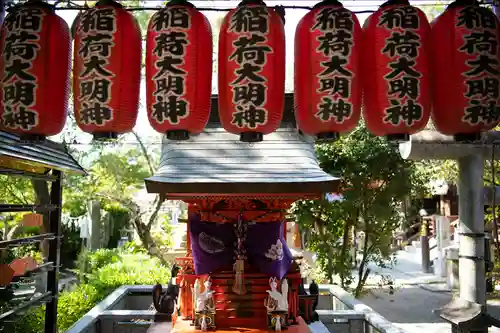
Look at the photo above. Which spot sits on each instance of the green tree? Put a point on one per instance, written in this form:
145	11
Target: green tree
376	181
114	177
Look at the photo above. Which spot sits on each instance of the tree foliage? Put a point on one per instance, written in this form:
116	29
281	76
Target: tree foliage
115	177
376	180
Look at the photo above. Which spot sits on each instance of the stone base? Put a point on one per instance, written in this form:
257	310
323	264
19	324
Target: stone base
209	318
273	316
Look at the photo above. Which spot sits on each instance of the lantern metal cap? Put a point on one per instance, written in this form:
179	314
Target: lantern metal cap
178	135
463	3
395	2
251	2
101	136
328	3
467	137
180	3
109	3
32	138
251	137
39	4
398	137
327	136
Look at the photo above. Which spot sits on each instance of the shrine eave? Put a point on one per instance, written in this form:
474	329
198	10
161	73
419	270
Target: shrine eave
216	163
34	157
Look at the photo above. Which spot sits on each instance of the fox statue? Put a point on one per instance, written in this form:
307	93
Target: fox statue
166	302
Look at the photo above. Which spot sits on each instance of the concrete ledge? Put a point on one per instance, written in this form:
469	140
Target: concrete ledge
373	318
318	327
354	313
127	314
90	319
333	316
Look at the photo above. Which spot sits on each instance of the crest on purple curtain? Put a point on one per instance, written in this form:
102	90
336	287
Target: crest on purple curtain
212	245
267	248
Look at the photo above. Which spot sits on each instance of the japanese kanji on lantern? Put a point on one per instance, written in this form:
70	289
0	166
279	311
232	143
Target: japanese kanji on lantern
466	70
179	70
251	70
327	71
397	84
106	70
34	100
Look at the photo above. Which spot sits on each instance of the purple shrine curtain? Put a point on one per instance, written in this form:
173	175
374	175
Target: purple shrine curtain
267	248
212	245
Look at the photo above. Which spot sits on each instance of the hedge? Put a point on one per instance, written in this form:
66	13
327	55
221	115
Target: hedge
110	269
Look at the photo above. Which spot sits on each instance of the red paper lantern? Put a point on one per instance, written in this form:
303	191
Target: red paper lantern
179	70
107	70
327	71
35	64
397	88
6	274
251	70
467	72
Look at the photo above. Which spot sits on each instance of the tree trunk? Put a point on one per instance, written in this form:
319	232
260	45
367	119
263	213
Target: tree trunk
362	272
330	265
343	251
144	229
42	195
361	283
144	233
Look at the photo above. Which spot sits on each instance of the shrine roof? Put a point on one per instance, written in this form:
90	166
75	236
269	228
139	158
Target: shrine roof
16	155
216	162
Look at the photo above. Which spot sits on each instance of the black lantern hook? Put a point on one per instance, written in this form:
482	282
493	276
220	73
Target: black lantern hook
281	12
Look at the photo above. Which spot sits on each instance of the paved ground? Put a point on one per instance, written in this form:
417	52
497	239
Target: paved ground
415	297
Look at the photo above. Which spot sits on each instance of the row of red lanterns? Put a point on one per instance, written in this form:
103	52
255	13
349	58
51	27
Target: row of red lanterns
398	70
397	66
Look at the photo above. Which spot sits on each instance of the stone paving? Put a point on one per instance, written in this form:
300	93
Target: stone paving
416	295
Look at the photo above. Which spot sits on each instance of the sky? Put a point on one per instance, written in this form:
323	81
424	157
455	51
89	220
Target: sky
293	16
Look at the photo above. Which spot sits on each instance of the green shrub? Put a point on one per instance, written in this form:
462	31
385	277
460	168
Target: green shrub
111	269
134	247
90	262
132	269
75	304
101	258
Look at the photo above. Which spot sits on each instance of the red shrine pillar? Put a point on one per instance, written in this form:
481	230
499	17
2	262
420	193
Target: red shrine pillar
283	218
293	298
188	278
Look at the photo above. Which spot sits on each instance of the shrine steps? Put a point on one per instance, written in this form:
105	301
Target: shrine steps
184	326
233	310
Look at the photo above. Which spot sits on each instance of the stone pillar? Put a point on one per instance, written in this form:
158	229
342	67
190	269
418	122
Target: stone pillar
94	213
472	270
424	243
